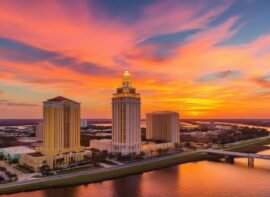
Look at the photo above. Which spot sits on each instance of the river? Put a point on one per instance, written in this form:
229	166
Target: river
204	178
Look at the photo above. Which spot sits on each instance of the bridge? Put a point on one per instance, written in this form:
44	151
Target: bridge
229	156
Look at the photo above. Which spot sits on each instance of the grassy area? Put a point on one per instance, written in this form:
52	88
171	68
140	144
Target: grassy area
101	176
77	169
258	142
22	169
251	149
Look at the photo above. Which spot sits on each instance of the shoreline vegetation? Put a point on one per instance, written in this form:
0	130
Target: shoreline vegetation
254	146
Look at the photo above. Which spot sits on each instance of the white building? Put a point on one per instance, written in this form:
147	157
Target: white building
101	145
126	117
84	123
163	125
15	152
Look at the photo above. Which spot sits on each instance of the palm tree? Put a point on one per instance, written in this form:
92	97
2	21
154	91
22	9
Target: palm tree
177	146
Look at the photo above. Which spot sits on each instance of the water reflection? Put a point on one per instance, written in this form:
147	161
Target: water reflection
203	178
67	191
130	187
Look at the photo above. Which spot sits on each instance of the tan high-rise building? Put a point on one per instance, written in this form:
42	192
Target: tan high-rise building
61	126
61	136
163	126
126	117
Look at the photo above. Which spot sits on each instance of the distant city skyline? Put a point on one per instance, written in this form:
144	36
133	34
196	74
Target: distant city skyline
201	59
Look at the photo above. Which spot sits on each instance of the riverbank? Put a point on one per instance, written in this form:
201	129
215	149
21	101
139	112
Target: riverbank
91	176
103	174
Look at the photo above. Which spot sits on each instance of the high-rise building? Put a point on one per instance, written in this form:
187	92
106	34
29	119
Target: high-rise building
163	126
61	136
39	131
126	117
61	125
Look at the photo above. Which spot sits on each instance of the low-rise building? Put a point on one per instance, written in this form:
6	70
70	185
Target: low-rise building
149	147
15	152
84	123
63	160
104	144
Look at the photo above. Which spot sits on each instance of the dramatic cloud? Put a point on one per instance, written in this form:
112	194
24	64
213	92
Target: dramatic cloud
16	51
219	76
264	81
16	104
200	58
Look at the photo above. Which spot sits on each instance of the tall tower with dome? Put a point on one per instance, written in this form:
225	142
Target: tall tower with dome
126	118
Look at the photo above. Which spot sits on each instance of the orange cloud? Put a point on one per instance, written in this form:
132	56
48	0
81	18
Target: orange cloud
51	48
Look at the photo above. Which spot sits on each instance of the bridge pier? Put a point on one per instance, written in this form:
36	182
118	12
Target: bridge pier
250	161
229	159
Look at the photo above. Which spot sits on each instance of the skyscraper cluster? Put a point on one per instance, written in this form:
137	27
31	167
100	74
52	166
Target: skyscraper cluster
61	129
126	121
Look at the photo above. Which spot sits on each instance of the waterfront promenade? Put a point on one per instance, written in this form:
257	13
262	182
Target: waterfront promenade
142	166
101	174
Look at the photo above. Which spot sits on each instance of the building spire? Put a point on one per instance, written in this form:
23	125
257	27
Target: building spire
126	80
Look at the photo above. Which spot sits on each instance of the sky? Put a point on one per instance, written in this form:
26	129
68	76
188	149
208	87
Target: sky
201	58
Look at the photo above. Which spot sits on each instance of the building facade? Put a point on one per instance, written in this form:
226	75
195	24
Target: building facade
15	152
61	126
163	126
84	123
61	136
104	144
126	117
39	131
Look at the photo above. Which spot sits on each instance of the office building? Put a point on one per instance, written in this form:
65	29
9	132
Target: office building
61	132
163	126
126	117
61	125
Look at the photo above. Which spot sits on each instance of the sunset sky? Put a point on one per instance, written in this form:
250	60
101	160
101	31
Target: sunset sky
201	58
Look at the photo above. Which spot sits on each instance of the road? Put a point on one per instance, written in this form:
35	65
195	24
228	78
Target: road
22	176
236	154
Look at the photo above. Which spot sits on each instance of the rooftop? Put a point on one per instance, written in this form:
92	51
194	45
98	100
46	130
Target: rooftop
102	141
163	112
18	150
60	99
36	154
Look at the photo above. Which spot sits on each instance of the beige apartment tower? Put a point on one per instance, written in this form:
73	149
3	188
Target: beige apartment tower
61	126
61	136
163	125
126	117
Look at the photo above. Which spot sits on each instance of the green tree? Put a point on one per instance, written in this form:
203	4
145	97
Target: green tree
45	170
